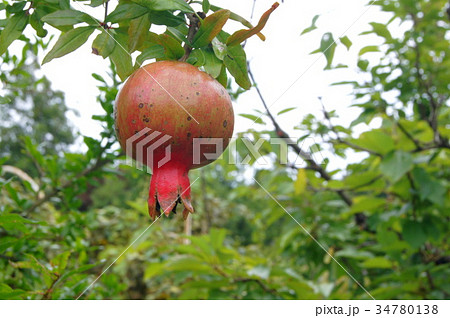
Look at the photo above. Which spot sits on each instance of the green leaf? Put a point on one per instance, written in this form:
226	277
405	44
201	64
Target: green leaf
300	182
103	44
217	236
172	48
312	26
122	59
197	58
69	42
219	48
210	27
155	51
363	64
213	65
37	24
165	18
327	47
98	78
346	41
126	11
7	292
222	78
377	262
366	203
137	32
368	49
375	140
396	164
64	4
12	222
67	17
413	233
4	100
286	110
350	252
60	262
162	5
429	188
253	118
96	3
13	29
381	29
236	62
205	6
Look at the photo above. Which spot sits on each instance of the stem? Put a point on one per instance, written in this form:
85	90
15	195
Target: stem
106	14
194	24
208	220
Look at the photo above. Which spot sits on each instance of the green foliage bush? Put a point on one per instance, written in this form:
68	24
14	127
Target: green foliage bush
385	219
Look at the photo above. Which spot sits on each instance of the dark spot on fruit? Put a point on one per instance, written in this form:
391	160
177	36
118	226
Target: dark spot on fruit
225	123
146	120
133	121
141	105
187	97
189	118
195	83
153	89
197	93
189	134
151	105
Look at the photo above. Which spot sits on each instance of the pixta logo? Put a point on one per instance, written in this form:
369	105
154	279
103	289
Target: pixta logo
144	145
242	151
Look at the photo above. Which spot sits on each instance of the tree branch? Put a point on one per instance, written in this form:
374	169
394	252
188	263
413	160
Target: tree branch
343	141
432	119
311	163
194	24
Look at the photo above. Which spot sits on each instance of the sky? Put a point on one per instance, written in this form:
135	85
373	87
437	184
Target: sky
285	71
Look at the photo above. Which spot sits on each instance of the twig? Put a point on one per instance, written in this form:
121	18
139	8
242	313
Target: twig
312	164
410	137
49	291
343	141
432	119
194	24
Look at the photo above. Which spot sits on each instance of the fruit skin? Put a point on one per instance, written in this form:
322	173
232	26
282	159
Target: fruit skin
178	100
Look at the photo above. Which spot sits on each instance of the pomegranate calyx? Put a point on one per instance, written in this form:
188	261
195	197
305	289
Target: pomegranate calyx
169	186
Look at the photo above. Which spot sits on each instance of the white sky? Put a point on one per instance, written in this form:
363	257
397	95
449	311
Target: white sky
284	70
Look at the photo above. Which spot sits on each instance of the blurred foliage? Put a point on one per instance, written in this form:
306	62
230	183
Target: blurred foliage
89	208
35	110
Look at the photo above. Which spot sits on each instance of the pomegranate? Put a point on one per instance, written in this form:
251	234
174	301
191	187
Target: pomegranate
159	112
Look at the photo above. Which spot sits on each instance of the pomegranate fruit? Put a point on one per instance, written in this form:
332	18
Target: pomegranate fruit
160	110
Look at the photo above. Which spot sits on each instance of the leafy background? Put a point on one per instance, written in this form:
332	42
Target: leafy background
66	214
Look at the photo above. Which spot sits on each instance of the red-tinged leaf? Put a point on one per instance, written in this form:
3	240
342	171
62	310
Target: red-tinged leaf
241	35
238	18
211	26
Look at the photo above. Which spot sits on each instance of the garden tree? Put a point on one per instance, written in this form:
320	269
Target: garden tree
396	247
30	108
